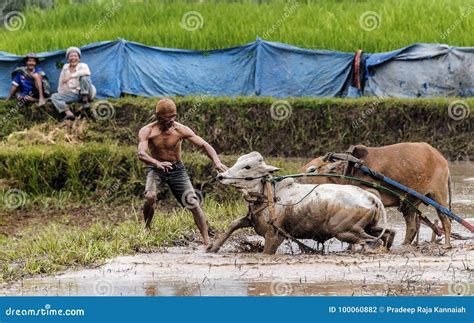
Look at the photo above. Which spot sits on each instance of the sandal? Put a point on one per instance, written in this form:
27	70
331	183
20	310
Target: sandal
72	118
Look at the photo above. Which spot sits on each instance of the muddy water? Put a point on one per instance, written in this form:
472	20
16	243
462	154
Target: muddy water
427	269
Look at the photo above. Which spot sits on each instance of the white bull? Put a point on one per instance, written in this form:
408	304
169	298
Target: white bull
304	211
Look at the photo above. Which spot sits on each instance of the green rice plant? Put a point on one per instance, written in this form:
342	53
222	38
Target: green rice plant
317	24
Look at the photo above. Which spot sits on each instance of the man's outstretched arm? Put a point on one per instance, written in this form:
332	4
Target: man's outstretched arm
144	156
202	144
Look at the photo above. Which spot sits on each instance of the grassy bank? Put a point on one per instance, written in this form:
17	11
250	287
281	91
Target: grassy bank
296	128
46	248
95	173
328	24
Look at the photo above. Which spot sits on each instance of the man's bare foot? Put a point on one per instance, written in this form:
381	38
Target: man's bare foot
41	102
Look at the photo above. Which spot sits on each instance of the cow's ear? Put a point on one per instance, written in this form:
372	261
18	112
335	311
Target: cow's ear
360	151
271	169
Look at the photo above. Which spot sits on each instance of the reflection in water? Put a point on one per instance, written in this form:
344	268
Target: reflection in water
235	288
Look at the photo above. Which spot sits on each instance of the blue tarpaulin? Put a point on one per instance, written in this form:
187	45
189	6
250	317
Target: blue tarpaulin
261	68
421	70
284	71
152	71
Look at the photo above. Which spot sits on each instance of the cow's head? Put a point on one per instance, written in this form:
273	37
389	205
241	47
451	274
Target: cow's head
322	165
247	172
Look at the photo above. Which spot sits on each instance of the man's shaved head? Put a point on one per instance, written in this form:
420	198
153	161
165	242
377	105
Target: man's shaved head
165	108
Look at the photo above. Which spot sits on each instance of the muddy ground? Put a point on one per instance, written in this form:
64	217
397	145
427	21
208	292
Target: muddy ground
424	270
240	269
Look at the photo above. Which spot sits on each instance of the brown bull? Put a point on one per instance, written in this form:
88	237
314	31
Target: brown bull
416	165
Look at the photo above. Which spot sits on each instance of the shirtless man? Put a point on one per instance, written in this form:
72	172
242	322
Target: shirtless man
163	139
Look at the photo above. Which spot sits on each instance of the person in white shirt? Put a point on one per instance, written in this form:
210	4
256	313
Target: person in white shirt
74	84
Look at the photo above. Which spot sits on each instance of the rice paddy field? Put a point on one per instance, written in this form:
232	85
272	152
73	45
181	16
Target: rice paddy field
344	25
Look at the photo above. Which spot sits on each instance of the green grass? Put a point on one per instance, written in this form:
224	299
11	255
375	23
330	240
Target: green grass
324	24
51	176
46	249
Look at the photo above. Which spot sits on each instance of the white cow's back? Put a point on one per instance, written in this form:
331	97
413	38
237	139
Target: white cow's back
346	196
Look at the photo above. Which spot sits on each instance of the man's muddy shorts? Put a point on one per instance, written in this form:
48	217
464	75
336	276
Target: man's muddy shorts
177	180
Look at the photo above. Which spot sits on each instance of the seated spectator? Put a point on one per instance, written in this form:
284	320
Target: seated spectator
29	83
74	84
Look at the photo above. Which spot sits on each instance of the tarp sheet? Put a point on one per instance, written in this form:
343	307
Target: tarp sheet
421	70
104	60
284	71
261	68
152	71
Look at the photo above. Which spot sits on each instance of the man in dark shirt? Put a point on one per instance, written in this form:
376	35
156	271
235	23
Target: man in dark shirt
27	82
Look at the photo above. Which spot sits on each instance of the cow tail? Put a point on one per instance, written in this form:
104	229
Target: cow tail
449	191
384	216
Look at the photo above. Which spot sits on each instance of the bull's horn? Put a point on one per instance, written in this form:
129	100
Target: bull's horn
311	169
271	169
325	158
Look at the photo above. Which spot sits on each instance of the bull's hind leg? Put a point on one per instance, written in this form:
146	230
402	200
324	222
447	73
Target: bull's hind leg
410	220
243	222
356	237
446	222
387	237
442	198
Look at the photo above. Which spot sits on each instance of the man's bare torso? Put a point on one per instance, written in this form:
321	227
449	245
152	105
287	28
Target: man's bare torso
165	145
